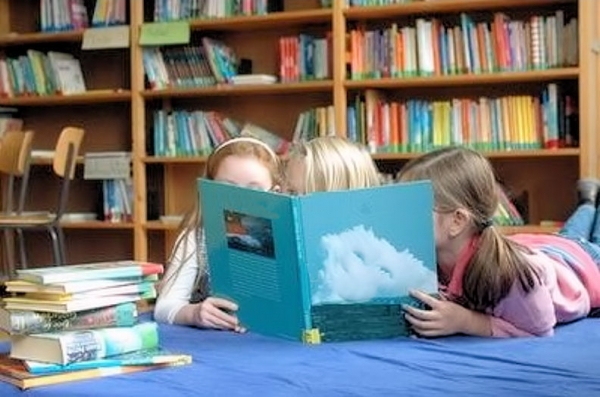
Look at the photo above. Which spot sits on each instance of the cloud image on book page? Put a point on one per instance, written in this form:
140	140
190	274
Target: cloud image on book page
360	267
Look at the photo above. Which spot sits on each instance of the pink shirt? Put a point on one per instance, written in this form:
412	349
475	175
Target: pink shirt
569	287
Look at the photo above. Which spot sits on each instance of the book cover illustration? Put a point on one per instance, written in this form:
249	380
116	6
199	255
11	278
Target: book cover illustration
24	322
325	266
74	346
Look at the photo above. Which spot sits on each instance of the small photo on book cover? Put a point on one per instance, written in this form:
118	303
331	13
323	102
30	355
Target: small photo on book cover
249	233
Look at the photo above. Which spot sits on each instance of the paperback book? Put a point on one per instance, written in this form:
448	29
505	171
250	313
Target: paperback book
328	266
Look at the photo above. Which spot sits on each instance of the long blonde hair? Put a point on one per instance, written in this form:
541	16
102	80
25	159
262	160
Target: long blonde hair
334	163
464	179
192	221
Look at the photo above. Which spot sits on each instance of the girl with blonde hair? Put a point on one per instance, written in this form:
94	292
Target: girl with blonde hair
183	292
491	284
327	164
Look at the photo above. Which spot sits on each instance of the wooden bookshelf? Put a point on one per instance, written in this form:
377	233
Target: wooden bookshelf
117	112
467	80
229	90
444	7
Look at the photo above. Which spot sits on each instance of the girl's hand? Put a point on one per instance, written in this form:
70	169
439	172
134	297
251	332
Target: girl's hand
217	313
445	318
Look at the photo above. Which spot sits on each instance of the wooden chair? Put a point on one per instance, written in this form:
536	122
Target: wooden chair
63	166
15	154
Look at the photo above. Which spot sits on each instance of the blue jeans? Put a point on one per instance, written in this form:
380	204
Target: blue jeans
583	226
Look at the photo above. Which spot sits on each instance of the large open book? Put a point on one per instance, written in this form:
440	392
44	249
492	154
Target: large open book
321	267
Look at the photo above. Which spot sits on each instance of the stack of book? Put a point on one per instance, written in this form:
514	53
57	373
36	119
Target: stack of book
80	322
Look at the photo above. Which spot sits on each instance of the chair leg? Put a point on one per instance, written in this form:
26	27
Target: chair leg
55	246
22	251
9	253
61	245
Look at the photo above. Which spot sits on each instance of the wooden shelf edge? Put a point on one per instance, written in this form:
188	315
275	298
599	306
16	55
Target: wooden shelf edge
467	79
446	6
500	154
250	89
271	20
98	225
89	97
158	225
173	160
15	39
529	229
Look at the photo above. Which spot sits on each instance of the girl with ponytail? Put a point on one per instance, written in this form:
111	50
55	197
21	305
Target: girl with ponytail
491	284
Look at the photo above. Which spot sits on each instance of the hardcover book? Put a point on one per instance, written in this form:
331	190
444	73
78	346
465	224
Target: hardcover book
89	271
326	266
24	322
74	346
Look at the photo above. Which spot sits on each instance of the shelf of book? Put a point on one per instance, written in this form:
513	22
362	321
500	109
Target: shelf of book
501	154
159	225
465	80
254	89
98	225
86	98
277	106
17	39
269	21
444	6
174	160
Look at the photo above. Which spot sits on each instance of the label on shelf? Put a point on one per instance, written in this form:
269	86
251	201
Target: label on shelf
165	33
106	37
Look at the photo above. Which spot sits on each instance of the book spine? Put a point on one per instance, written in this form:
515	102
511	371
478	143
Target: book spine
302	270
30	322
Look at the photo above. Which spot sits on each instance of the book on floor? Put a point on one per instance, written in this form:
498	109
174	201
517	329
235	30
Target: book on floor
74	346
89	271
25	322
325	266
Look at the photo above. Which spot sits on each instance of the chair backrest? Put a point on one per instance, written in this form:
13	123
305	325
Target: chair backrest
65	159
15	153
66	152
10	151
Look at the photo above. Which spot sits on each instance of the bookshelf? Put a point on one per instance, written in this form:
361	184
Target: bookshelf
117	112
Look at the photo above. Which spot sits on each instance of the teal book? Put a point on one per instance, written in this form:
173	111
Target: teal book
327	266
89	271
73	346
156	356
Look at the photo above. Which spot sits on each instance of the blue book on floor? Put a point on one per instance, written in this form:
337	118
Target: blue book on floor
327	266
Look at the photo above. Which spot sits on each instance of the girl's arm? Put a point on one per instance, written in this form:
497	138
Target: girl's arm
524	314
182	274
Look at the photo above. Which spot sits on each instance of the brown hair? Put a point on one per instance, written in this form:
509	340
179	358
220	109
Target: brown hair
464	179
192	221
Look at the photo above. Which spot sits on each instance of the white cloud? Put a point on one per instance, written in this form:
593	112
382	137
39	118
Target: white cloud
360	266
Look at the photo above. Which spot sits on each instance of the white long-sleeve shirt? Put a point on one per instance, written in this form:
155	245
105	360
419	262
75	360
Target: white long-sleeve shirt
181	276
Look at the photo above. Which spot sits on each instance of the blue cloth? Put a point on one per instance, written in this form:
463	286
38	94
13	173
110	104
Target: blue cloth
226	364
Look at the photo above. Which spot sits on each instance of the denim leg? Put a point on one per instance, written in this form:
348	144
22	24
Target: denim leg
595	237
580	223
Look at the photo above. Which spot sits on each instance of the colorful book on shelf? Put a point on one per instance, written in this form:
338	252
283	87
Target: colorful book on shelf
24	322
138	358
15	372
221	58
299	275
94	344
90	271
275	142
